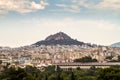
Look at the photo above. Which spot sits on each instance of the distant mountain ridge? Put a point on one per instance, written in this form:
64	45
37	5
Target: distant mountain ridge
116	44
59	38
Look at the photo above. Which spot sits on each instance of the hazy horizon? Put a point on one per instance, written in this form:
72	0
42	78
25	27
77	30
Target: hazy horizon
24	22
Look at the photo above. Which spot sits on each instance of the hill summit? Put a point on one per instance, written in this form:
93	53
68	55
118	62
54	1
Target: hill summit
59	38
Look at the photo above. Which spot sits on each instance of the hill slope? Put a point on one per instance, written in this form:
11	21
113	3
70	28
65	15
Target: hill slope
59	38
116	44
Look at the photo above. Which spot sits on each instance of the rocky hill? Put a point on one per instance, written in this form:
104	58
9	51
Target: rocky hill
61	39
58	36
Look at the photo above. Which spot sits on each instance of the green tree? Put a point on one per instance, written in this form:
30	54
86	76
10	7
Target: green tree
85	59
13	74
50	70
87	78
109	74
29	77
92	67
46	77
0	62
52	77
72	76
78	68
64	75
115	66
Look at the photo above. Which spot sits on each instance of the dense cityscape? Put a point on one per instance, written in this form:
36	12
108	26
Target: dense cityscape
59	39
41	56
46	55
60	62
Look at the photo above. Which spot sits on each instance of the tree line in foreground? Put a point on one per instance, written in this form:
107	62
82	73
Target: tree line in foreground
32	73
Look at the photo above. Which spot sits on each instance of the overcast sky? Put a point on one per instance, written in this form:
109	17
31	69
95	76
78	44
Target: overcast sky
23	22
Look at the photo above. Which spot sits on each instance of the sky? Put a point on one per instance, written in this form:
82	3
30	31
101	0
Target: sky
24	22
